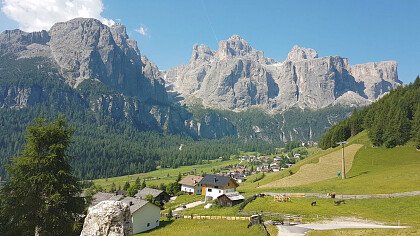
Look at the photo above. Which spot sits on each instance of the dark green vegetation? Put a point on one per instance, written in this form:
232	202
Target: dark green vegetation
391	121
303	125
42	195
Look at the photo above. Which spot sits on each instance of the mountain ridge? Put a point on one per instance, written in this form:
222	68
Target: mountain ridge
237	76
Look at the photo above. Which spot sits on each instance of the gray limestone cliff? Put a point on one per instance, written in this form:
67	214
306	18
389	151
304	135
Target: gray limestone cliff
237	77
99	68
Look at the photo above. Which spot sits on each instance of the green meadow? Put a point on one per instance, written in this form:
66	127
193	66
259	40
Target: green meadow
165	175
205	228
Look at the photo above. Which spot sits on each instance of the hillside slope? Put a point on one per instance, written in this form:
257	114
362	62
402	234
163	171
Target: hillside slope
374	170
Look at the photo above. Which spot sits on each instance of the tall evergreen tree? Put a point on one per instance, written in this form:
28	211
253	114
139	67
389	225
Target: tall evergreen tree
41	196
416	127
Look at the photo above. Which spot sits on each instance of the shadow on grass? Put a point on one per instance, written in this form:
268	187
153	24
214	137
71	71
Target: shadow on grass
162	224
362	173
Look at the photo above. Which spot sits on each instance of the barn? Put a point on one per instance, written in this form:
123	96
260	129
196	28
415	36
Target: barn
230	199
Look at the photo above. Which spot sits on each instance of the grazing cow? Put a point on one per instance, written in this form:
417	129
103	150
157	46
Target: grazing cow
338	202
313	203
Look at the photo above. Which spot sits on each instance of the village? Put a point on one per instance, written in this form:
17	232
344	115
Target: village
148	204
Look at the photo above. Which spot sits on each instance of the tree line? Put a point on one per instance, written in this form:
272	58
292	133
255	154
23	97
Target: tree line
393	120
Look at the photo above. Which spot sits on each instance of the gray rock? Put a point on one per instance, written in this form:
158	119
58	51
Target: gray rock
297	54
13	41
237	77
108	218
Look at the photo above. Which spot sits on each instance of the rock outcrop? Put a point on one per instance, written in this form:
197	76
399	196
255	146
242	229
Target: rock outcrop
297	54
237	77
108	218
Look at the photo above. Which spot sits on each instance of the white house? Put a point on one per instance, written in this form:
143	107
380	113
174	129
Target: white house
144	215
191	184
212	186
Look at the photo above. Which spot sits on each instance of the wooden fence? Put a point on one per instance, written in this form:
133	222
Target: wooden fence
195	217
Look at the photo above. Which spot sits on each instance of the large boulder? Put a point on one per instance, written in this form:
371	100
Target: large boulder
108	218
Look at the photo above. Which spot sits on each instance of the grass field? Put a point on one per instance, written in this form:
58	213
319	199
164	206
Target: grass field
325	168
405	209
213	211
164	175
205	228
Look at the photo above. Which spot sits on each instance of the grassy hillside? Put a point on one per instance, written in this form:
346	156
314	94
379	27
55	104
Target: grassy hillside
374	170
326	168
165	175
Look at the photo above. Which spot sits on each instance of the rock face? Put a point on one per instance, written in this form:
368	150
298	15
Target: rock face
237	77
297	54
85	49
98	67
108	218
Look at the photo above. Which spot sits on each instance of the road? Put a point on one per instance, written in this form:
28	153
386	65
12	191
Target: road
341	223
189	205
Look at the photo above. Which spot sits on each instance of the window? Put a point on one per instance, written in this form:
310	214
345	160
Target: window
209	190
220	191
148	224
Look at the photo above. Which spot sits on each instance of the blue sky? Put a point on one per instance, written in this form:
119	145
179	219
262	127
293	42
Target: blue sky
363	31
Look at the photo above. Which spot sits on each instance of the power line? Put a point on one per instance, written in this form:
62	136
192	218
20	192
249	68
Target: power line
208	20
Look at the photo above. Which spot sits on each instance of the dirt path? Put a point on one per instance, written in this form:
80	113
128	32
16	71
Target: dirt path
339	223
189	205
326	168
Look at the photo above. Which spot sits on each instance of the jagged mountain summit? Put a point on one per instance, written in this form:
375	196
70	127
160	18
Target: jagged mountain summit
99	68
237	77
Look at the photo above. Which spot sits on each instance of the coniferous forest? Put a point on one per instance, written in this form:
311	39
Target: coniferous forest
393	120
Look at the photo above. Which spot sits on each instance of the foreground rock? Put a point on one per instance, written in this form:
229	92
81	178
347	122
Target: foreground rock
108	218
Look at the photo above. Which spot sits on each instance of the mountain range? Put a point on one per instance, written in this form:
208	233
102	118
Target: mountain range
96	76
237	77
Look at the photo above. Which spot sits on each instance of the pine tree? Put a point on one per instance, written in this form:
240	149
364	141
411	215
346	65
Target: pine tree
416	126
41	196
126	186
113	187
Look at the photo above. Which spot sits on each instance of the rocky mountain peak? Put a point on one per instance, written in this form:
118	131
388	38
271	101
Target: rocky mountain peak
17	40
235	46
299	53
201	53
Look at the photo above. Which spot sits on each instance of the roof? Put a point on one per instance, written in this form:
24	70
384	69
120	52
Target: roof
135	203
101	196
217	180
233	196
148	191
191	180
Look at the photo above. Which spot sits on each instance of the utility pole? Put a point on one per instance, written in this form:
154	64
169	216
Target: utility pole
343	164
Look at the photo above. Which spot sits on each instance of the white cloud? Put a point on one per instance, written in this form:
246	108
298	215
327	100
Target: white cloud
35	15
142	30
